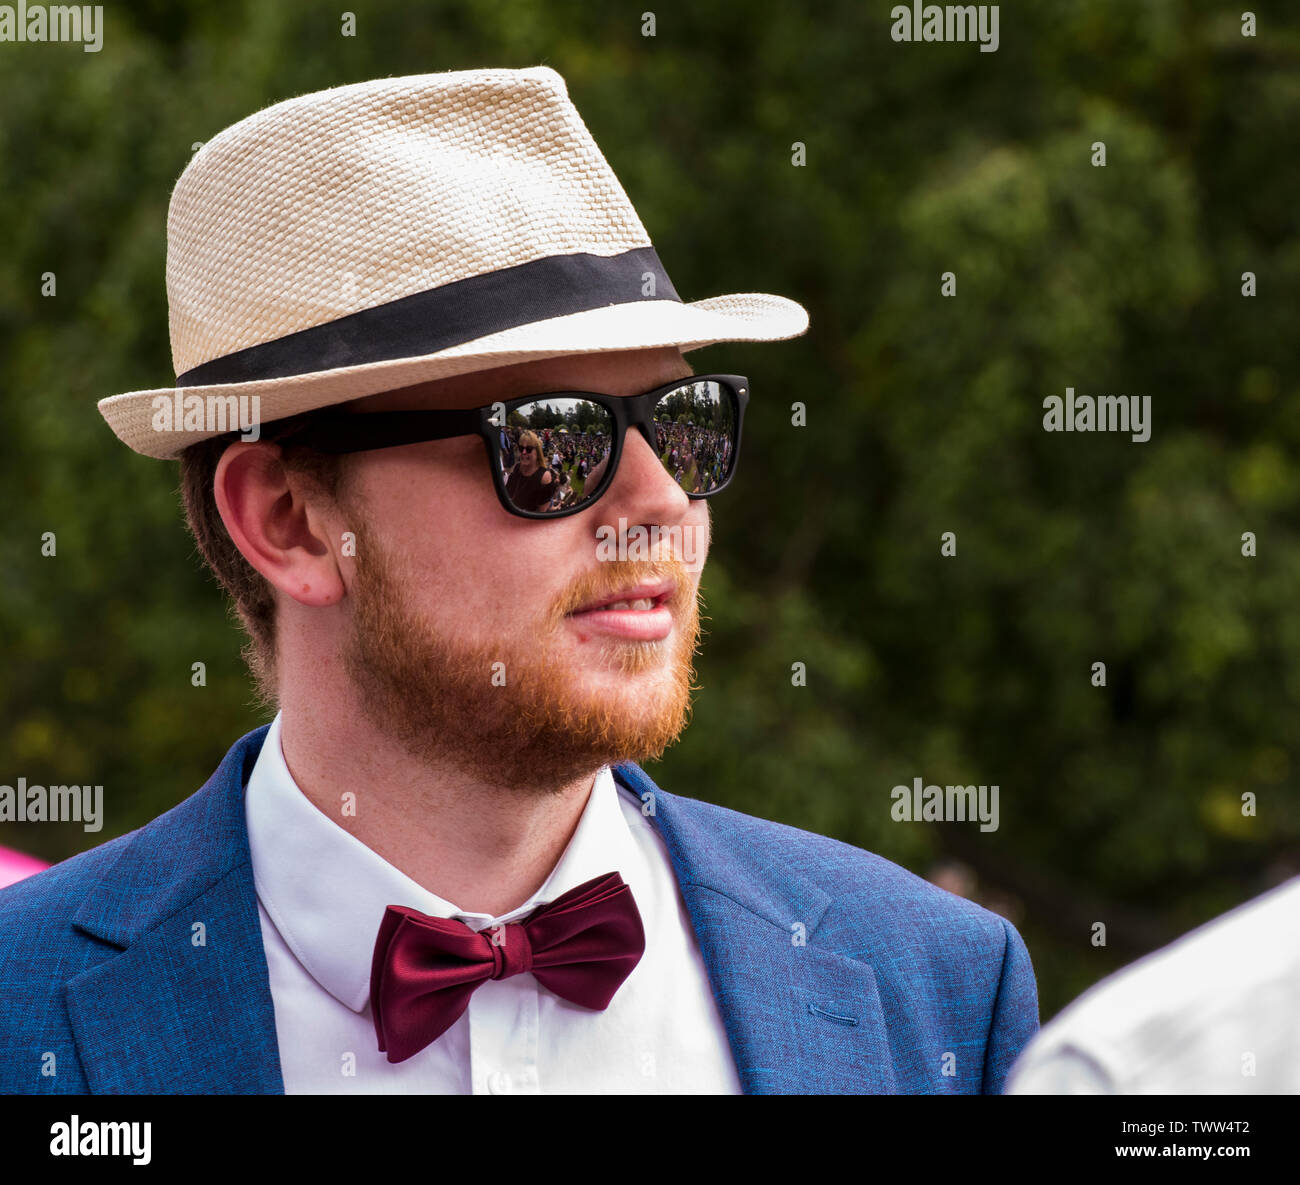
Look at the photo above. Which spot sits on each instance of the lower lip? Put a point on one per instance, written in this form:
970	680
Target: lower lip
635	625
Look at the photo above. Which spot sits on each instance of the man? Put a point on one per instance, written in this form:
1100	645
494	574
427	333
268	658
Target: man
1212	1013
439	868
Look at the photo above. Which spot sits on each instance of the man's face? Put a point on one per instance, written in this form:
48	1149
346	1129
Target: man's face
465	646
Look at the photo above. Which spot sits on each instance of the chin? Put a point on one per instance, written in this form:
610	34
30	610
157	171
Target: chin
608	678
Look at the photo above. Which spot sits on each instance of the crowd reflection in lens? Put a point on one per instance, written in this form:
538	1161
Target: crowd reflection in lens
554	452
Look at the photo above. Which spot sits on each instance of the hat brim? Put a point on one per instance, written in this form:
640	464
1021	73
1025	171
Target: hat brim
647	324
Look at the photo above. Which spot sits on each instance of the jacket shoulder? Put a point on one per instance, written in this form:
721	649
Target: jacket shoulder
36	912
955	984
40	951
84	911
899	902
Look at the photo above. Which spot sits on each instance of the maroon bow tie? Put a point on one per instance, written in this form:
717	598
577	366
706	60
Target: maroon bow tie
581	946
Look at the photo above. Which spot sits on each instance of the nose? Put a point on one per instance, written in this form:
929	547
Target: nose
643	491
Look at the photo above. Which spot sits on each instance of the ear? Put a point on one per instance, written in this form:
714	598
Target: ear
284	534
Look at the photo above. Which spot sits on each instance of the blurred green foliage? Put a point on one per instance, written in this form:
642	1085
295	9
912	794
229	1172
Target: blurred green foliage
924	415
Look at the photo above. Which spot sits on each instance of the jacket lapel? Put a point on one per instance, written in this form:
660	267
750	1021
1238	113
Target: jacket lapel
801	1018
186	1006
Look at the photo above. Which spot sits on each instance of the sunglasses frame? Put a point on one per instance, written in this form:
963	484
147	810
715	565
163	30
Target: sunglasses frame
341	432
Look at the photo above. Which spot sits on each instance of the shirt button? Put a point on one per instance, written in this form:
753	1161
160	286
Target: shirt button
499	1082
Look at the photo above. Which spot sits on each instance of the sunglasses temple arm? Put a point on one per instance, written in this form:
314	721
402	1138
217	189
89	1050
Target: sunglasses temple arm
385	429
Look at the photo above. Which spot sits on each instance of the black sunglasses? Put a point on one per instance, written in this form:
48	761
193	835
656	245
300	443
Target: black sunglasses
692	424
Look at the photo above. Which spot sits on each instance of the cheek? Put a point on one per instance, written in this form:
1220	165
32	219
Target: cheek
429	496
435	513
477	570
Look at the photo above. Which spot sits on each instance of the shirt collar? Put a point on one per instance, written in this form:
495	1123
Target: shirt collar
326	891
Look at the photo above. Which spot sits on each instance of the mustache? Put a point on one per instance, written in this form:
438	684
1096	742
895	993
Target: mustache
615	576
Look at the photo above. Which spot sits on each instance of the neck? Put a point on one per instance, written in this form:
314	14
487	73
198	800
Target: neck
482	848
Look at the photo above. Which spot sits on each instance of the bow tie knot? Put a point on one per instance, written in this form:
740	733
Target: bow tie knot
581	946
511	952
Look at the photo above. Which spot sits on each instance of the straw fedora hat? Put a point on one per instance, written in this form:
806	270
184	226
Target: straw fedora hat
383	234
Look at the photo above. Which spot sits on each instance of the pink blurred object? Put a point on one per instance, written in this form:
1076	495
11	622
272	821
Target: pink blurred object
15	866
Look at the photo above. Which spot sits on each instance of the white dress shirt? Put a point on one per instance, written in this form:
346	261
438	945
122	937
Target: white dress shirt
1215	1012
321	894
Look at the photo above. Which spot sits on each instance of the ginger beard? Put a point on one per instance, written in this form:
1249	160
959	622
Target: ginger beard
435	693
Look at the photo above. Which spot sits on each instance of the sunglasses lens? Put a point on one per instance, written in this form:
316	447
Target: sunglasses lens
554	452
696	429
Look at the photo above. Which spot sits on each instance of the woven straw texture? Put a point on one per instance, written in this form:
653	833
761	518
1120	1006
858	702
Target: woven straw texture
381	190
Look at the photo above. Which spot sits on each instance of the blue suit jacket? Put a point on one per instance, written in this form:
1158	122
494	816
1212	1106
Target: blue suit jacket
98	967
